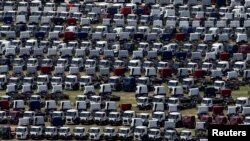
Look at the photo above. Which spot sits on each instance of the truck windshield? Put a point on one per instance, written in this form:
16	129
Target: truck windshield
127	115
152	132
113	115
20	129
2	79
56	80
220	65
142	81
218	84
240	102
168	133
63	62
172	101
141	100
26	114
71	114
185	134
99	114
93	130
108	130
157	116
238	66
63	130
56	114
206	101
84	80
49	129
69	79
2	114
123	131
41	79
84	114
112	80
79	130
34	129
139	130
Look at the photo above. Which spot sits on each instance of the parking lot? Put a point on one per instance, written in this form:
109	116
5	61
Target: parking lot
123	69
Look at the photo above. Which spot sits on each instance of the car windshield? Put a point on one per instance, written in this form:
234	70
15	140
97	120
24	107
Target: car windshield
139	130
69	79
34	129
71	114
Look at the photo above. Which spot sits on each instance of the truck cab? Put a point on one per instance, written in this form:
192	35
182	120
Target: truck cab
95	133
72	117
242	102
71	82
186	135
64	133
140	133
51	132
36	132
22	132
127	117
